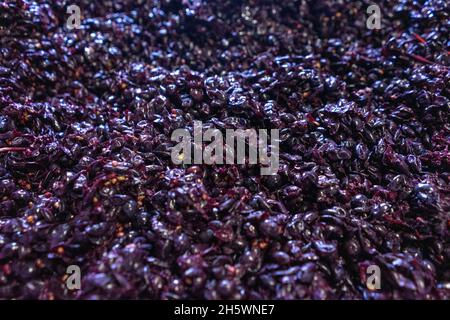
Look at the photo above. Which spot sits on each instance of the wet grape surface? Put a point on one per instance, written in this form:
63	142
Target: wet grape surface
86	176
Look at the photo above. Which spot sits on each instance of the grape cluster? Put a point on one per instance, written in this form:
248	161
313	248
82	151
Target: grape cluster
86	176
